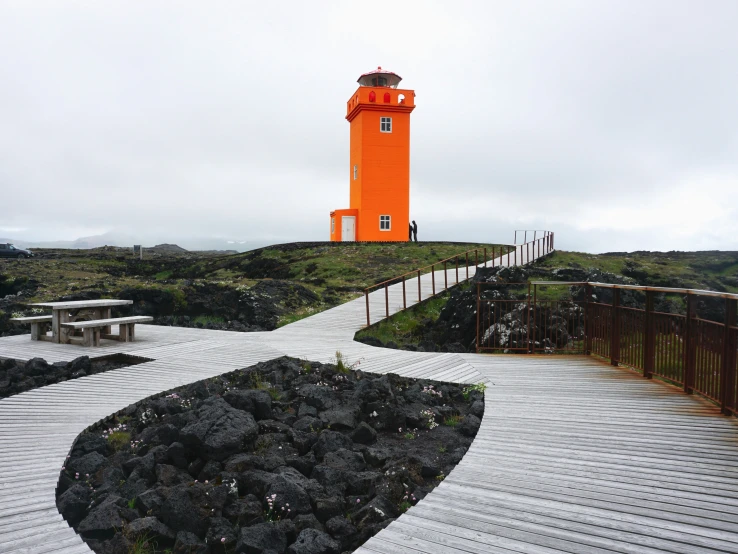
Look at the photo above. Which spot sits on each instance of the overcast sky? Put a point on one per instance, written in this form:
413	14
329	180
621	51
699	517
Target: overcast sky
615	124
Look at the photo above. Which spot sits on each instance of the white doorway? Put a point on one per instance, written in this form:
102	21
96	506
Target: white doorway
348	228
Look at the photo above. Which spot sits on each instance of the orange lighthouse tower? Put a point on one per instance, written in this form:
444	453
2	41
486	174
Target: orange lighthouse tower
379	165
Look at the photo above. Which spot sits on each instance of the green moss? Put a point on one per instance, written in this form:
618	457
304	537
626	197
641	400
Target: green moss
204	320
180	300
119	439
452	420
401	327
479	387
258	383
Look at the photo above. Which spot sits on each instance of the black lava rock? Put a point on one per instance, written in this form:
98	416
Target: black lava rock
73	503
312	541
261	538
319	465
220	430
330	441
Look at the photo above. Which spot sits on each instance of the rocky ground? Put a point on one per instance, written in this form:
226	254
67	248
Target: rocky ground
285	456
17	376
255	291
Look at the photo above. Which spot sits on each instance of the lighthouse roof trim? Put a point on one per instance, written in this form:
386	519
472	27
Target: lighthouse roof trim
379	78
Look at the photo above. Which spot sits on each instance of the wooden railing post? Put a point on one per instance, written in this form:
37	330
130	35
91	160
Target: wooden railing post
649	337
386	300
527	325
366	295
478	307
467	264
587	320
532	321
615	331
689	346
433	278
457	270
419	287
404	299
445	276
493	256
476	259
728	382
728	399
485	256
508	256
515	255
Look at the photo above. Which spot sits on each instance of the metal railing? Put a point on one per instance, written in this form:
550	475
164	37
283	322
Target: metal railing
535	233
508	256
687	349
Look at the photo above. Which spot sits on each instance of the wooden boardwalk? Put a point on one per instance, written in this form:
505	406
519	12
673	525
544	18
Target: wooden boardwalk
572	456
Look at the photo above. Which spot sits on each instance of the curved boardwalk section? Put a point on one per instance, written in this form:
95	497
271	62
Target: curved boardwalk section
572	456
576	456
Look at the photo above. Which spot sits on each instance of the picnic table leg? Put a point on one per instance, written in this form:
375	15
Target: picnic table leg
131	332
57	318
87	336
123	333
36	330
105	313
54	326
63	317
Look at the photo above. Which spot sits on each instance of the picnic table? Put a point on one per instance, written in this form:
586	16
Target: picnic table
78	310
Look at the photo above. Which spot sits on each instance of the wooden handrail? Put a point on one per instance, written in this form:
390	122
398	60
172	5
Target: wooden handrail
695	292
696	353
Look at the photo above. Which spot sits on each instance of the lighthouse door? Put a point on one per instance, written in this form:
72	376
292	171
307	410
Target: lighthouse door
348	228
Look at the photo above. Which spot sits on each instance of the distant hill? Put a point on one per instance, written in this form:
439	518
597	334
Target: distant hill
127	241
168	248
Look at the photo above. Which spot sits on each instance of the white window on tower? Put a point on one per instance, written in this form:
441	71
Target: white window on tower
385	124
356	172
384	223
333	225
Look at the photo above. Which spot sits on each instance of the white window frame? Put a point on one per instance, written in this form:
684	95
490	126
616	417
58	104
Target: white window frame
385	124
333	226
388	221
356	172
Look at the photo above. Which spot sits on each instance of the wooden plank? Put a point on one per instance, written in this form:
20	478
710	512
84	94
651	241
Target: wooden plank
107	322
82	304
32	319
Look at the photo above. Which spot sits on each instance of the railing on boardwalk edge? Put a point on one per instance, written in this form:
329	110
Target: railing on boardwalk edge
695	353
539	246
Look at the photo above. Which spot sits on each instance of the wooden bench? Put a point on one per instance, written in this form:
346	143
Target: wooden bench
40	325
92	331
